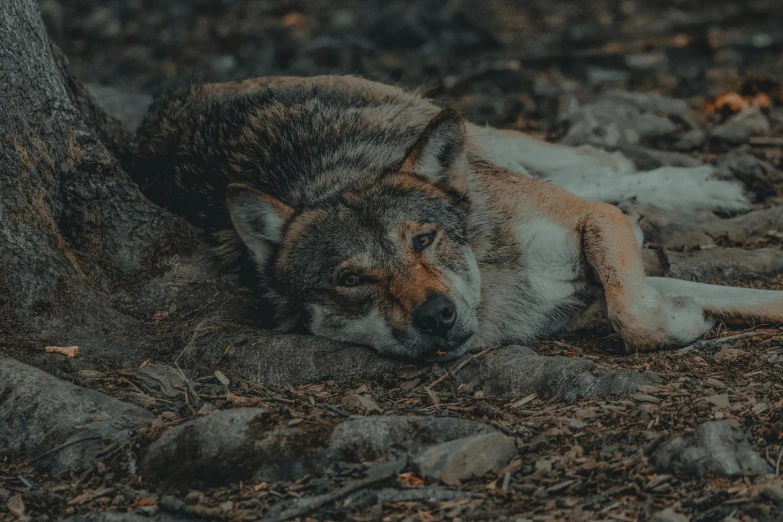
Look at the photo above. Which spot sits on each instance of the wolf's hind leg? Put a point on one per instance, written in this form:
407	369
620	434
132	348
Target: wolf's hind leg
645	318
597	175
729	304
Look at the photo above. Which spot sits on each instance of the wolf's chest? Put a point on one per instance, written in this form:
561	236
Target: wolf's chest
535	292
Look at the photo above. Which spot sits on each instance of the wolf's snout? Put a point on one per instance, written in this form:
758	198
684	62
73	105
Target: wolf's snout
436	315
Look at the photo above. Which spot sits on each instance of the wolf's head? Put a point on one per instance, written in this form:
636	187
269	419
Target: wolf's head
386	262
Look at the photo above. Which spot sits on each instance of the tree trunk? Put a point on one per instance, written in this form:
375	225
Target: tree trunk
87	260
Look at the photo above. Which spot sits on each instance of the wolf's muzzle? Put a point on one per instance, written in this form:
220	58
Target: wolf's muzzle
436	316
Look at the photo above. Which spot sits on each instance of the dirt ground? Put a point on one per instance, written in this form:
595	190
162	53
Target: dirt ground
517	65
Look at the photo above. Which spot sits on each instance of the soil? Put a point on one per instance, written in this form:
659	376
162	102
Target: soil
503	64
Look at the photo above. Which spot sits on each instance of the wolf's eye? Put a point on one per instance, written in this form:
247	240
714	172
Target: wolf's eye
349	279
422	241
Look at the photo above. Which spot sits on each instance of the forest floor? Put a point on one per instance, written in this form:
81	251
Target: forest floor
534	68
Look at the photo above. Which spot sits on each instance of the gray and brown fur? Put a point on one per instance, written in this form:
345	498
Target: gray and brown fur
327	176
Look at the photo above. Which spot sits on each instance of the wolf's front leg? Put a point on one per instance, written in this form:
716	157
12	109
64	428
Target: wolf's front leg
644	317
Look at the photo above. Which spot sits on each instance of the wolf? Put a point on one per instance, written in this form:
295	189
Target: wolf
374	216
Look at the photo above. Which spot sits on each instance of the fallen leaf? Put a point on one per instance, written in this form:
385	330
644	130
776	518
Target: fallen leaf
16	506
68	351
144	502
411	479
222	378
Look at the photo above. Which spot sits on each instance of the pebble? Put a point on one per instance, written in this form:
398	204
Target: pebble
668	515
719	401
468	457
774	492
719	446
577	425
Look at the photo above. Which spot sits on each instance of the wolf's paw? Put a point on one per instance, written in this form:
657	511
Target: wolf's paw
672	322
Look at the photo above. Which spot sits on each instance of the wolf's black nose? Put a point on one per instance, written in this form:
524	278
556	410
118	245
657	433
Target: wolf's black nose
436	315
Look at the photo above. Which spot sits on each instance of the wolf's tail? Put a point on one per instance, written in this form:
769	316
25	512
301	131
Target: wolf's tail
729	304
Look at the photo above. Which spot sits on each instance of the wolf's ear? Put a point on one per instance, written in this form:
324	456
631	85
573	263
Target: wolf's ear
440	152
258	218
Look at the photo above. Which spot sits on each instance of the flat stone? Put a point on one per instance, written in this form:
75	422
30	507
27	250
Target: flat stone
251	444
728	355
358	402
577	425
668	515
720	401
719	446
741	127
467	458
773	492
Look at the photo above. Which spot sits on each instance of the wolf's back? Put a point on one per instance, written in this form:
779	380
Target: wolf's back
293	138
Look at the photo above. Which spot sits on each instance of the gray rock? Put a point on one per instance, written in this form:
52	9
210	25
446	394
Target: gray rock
719	446
466	458
62	425
233	445
383	437
741	127
774	492
246	443
668	515
619	118
729	264
513	371
688	230
689	140
646	158
759	177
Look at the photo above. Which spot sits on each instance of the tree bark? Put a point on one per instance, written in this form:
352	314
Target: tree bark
87	260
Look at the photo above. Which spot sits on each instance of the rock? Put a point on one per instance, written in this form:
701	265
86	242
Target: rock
646	158
668	515
728	264
234	445
39	412
720	401
689	140
251	444
773	492
758	176
741	127
386	437
577	425
16	506
719	446
679	229
726	355
467	458
358	402
515	371
619	118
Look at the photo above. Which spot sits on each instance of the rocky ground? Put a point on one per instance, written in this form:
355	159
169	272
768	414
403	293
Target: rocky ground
568	429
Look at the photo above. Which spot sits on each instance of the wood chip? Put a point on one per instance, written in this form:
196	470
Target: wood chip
221	377
521	402
68	351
